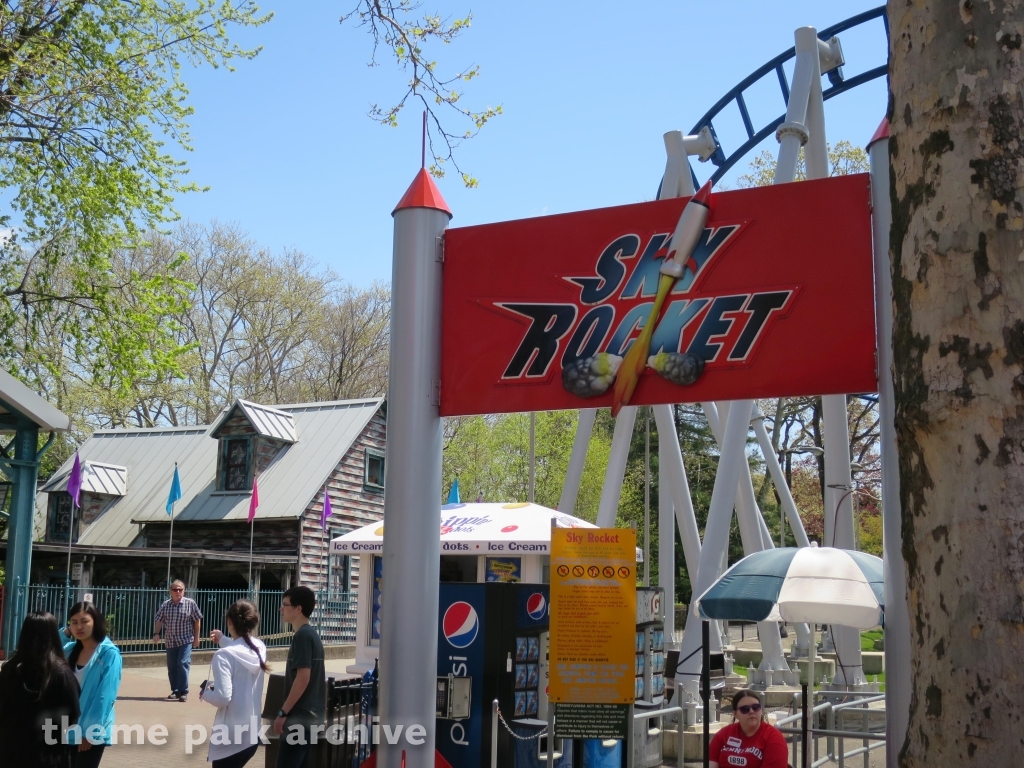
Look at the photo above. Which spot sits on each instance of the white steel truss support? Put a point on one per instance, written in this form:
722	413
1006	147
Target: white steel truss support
577	460
672	474
796	524
805	126
612	488
716	533
753	532
666	538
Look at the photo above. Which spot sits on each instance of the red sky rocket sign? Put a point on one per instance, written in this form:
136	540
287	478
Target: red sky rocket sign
776	300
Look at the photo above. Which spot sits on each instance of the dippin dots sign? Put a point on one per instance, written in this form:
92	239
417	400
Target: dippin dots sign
775	300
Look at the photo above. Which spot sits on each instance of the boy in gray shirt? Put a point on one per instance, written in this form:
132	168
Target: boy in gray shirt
305	681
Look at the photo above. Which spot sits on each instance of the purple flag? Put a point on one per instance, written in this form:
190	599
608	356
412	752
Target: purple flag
326	514
75	482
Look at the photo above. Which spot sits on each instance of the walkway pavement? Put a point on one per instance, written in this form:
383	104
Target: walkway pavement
141	701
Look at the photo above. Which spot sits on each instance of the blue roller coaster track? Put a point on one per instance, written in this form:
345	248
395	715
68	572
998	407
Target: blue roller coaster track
838	83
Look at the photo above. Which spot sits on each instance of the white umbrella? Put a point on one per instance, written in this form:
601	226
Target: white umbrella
810	584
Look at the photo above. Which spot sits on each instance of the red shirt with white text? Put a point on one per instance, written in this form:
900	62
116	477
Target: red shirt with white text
765	749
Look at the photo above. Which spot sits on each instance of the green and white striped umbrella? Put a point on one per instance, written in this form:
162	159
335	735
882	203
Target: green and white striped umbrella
813	584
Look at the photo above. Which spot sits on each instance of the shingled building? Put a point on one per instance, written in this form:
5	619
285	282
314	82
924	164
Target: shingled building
122	531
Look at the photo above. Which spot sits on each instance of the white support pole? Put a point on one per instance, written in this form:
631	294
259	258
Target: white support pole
612	489
839	530
716	533
796	524
753	532
678	181
673	488
666	533
673	478
792	134
805	125
577	460
412	549
897	612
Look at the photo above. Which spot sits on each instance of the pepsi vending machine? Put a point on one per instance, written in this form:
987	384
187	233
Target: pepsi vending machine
495	635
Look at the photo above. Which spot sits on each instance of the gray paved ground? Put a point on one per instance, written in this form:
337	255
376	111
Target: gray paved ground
141	701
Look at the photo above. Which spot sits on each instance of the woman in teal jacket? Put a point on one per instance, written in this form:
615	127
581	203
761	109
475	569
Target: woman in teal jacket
96	663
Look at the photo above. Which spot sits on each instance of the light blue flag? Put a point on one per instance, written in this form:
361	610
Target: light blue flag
453	494
175	493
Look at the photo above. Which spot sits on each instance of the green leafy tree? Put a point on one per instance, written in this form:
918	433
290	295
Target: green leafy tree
491	457
843	158
90	93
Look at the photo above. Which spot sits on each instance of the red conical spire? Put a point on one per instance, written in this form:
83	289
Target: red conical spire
881	133
422	193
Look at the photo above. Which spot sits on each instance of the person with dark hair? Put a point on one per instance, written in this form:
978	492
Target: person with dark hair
37	689
749	741
237	687
304	679
96	663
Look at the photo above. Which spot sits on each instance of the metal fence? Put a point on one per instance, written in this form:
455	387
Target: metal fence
351	719
130	612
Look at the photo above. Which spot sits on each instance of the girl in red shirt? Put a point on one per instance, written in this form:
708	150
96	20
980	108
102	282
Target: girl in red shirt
749	741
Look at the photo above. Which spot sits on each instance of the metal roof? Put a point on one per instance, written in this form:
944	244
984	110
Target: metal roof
269	422
286	487
19	404
109	479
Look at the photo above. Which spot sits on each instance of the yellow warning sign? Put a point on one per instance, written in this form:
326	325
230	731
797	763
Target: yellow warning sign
593	616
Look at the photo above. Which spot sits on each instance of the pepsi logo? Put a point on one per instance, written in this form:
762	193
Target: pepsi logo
460	624
536	605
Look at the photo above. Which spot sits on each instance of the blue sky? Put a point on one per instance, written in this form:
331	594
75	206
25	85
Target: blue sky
587	91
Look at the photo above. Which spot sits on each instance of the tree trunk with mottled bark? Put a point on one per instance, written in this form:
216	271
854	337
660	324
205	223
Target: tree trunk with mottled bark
957	249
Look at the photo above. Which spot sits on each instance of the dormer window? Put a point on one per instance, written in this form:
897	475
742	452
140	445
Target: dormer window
235	464
251	437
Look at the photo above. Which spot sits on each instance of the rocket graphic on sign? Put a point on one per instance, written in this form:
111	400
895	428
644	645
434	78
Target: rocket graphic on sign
683	258
591	376
678	257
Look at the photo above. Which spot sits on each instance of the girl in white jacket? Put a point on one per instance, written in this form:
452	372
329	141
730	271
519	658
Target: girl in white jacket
237	688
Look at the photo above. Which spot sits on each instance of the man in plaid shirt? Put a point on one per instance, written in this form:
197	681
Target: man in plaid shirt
179	619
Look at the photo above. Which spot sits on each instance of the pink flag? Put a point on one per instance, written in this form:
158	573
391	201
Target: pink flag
326	514
254	502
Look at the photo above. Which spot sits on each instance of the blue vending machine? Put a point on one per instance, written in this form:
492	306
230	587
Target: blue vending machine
492	644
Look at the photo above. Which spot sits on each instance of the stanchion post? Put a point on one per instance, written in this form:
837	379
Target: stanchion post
551	735
494	734
705	684
803	705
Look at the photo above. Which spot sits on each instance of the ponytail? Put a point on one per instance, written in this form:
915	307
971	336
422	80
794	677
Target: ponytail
245	619
263	664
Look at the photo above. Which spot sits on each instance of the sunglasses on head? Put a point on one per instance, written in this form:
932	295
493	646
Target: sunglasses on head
746	709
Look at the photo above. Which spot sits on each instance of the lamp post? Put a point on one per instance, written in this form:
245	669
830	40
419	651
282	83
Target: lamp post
788	453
